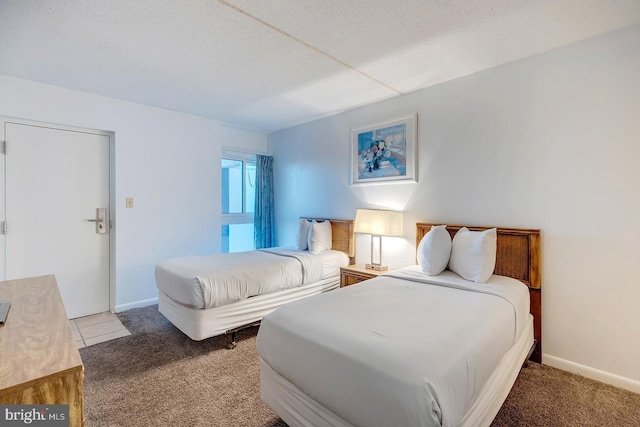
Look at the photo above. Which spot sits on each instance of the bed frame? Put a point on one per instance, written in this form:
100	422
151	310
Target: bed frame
518	256
342	240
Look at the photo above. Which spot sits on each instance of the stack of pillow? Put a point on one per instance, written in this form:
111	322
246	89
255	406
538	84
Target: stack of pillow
314	236
471	254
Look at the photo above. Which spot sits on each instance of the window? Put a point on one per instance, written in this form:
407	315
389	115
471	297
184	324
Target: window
238	200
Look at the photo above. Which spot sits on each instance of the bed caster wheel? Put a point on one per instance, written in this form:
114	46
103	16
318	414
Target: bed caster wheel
232	344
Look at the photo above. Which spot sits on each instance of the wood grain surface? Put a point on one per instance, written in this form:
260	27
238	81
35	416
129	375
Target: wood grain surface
39	360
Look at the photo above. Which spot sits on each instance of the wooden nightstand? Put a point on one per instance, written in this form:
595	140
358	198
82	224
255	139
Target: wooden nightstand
356	273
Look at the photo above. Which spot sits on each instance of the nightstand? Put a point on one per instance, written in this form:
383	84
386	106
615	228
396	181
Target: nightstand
356	273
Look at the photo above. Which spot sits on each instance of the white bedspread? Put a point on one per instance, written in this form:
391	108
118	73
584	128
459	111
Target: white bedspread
402	349
215	280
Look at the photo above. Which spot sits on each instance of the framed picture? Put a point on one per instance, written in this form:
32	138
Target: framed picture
385	151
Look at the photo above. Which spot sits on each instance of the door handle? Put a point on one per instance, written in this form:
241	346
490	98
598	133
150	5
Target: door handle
100	220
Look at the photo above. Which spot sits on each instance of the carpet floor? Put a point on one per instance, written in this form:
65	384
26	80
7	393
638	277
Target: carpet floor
159	377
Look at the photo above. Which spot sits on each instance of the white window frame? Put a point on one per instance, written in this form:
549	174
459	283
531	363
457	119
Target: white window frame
244	217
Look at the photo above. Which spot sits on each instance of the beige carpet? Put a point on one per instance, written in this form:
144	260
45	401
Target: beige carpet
159	377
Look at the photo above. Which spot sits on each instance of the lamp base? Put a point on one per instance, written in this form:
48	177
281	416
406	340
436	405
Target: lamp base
376	267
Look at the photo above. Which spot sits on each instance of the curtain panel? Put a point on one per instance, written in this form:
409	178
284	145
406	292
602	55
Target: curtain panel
264	218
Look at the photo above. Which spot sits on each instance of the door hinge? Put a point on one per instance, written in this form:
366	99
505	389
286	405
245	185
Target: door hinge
4	147
4	227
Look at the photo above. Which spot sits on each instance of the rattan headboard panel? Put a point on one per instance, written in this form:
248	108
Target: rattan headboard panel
518	251
343	238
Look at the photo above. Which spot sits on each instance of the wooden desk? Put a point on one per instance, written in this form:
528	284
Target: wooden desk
39	361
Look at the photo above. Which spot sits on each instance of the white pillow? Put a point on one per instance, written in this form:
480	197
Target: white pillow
304	226
434	250
473	254
320	237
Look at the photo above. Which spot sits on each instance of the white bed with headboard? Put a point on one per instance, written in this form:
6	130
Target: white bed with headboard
212	295
405	348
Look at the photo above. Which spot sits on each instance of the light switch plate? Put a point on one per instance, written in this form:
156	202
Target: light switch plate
129	202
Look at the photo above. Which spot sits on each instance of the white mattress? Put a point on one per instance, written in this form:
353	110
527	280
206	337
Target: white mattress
216	280
298	409
369	365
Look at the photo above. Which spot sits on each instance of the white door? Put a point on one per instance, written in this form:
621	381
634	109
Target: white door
55	179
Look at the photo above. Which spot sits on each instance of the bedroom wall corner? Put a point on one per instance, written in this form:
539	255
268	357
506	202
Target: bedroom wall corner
135	304
168	161
546	142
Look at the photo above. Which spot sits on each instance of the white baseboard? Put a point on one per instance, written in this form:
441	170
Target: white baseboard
594	374
137	304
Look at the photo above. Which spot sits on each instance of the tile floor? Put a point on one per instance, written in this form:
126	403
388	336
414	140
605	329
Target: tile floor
97	328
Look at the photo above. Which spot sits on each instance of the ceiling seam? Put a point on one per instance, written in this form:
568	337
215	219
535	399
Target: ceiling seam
308	45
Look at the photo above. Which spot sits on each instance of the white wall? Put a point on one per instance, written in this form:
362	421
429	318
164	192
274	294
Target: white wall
168	162
549	142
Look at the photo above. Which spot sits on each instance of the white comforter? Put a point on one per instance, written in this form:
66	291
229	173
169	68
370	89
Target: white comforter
404	349
216	280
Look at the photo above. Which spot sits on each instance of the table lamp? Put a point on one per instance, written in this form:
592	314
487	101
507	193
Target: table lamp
378	223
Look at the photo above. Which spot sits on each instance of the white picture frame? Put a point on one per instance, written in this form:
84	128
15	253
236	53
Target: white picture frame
385	152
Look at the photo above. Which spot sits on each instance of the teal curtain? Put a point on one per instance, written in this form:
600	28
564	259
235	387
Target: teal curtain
264	218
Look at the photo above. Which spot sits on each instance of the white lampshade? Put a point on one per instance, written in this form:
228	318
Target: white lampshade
378	222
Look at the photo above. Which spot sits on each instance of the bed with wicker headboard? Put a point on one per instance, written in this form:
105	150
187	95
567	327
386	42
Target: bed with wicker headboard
405	347
518	256
190	288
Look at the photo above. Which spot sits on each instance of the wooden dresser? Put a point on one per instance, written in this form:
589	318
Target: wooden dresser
39	360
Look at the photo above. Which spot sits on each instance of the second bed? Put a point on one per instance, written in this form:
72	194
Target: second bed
205	296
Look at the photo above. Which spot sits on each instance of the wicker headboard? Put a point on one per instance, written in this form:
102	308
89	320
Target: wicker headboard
518	253
518	256
343	238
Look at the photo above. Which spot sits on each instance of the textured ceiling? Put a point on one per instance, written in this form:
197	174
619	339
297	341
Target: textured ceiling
270	64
